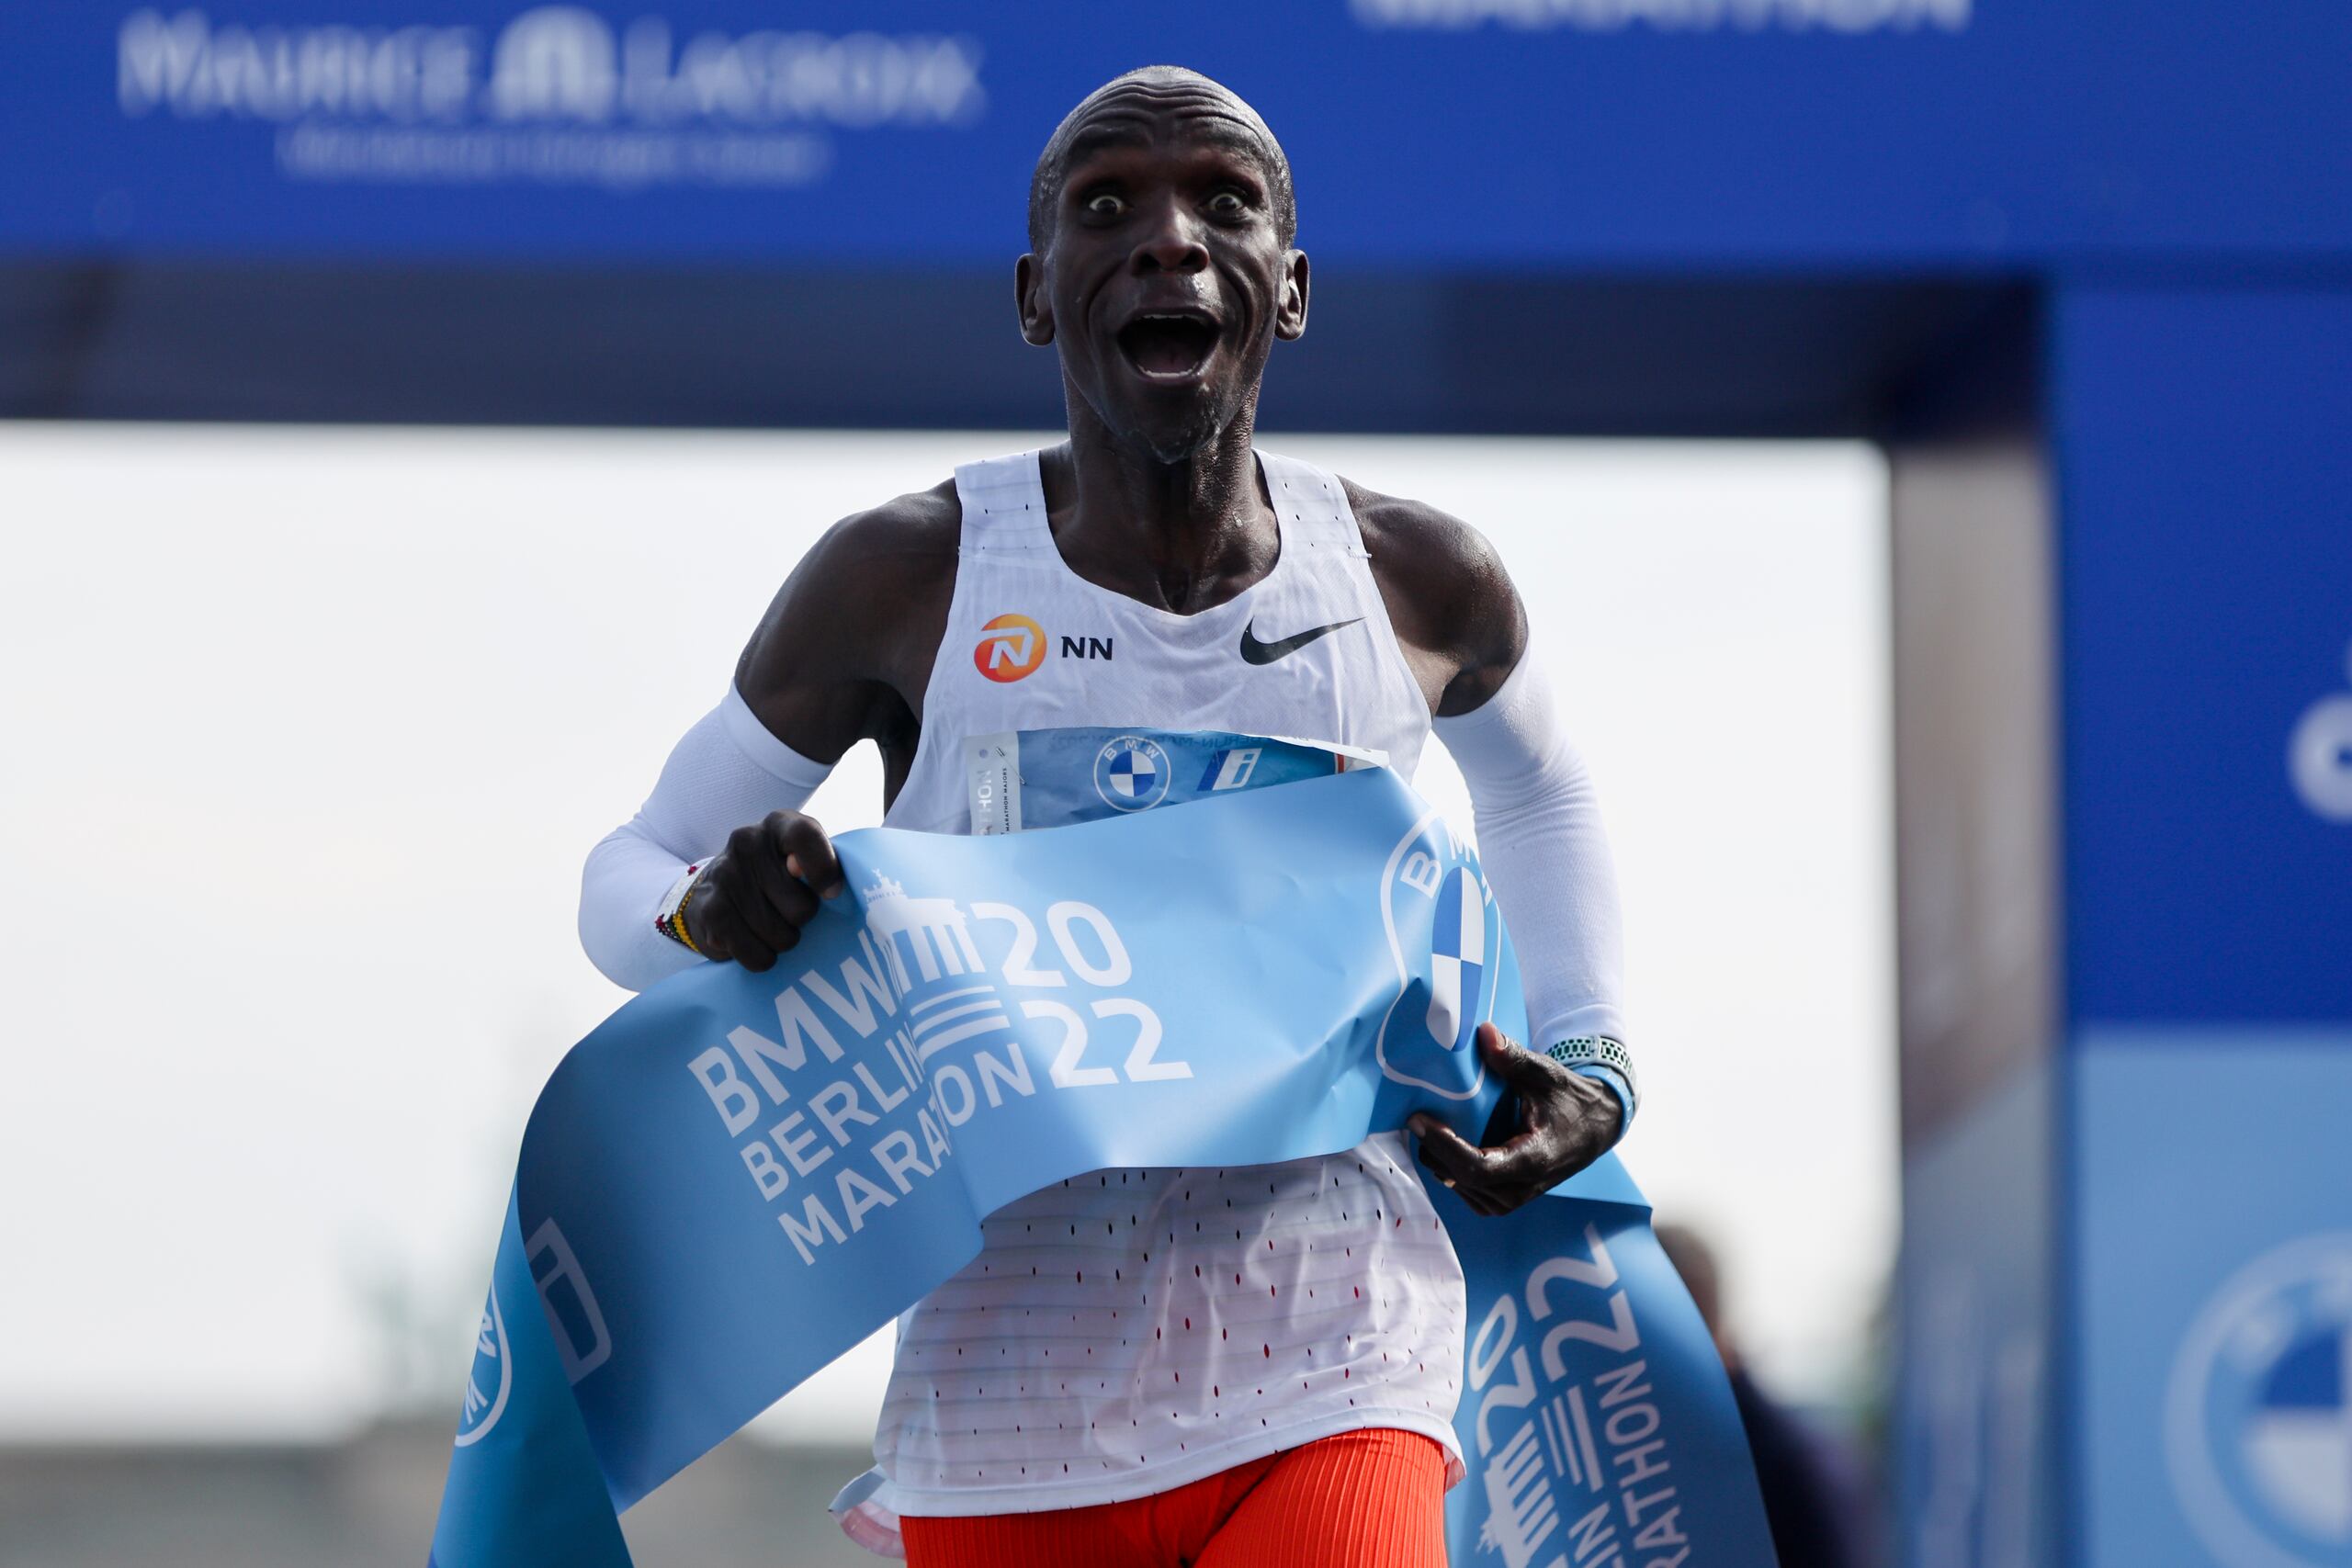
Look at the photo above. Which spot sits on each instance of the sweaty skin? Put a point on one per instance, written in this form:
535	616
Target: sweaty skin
1165	197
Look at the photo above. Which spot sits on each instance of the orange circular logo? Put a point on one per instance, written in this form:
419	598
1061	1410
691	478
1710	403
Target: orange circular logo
1010	648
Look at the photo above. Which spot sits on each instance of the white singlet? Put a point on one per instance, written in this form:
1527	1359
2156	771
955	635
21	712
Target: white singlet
1131	1331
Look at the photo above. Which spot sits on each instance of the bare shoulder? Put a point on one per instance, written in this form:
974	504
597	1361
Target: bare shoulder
909	541
846	645
1453	605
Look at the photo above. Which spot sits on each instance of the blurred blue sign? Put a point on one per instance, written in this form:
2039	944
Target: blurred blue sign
1426	132
2206	564
2215	1382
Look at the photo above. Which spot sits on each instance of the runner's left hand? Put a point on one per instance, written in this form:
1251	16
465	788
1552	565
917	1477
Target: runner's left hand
1551	1122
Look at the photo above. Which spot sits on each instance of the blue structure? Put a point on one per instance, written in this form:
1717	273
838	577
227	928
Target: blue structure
2085	268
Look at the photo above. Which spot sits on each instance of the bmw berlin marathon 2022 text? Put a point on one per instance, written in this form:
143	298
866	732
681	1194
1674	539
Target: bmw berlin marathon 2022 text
984	1016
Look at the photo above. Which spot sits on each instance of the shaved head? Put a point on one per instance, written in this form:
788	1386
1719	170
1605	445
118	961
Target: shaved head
1166	84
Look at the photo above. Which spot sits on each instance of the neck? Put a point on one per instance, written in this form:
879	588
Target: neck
1182	534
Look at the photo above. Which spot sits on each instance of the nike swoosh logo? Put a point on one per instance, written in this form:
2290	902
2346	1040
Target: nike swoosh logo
1256	652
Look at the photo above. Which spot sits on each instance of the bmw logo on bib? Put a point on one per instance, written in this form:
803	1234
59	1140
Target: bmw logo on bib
1445	937
1132	774
2260	1416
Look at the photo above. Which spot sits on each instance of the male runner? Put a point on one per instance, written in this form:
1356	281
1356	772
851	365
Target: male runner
1245	1366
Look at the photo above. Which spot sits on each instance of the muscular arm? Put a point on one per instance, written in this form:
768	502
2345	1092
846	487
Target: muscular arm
846	648
1456	611
842	655
1466	635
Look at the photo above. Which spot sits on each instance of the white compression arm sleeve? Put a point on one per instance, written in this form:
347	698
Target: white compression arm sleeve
727	772
1541	842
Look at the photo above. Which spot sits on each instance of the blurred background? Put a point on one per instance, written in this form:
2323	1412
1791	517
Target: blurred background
1920	429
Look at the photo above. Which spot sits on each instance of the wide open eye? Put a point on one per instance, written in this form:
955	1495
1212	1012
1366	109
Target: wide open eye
1105	204
1228	204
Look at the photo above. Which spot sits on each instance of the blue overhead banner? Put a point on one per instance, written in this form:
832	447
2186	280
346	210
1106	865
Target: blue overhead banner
1426	132
739	1176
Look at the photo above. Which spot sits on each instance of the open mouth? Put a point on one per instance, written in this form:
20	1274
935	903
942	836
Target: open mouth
1165	346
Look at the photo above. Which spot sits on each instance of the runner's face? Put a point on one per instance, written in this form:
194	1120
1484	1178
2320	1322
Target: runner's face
1165	279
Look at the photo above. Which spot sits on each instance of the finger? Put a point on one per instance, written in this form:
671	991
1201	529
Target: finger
1522	1070
739	884
750	949
1477	1175
808	852
1521	1162
834	890
784	893
1466	1186
786	904
1449	1154
1419	1126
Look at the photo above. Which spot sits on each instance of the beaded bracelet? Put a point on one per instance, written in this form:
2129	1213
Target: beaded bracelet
671	919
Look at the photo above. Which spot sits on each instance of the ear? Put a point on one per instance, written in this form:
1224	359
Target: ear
1029	300
1290	308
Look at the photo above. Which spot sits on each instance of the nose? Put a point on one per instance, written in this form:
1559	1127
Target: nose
1171	240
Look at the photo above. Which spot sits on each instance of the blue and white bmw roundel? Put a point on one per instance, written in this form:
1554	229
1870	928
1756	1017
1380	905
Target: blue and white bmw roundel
2259	1414
1445	937
1131	773
1457	959
2296	1433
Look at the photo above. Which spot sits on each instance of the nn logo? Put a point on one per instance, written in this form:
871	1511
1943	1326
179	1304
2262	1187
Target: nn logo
1011	646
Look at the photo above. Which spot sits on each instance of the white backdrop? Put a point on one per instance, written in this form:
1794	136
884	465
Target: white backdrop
307	732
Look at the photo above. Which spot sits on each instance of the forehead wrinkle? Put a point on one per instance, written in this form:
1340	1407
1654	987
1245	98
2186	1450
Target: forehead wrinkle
1109	139
1144	100
1123	131
1147	104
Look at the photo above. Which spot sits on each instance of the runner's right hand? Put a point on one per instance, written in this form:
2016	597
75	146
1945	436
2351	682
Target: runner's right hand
761	888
